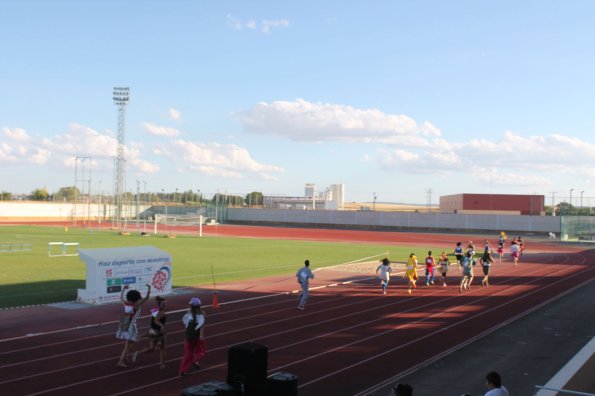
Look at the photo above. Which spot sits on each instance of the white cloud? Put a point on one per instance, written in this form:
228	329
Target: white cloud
145	167
18	147
16	134
62	149
405	145
268	24
236	24
214	159
80	140
159	130
305	121
174	114
495	176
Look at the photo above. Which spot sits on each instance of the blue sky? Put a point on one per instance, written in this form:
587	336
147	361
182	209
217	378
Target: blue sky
387	97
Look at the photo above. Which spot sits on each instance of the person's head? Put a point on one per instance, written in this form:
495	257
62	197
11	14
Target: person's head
493	380
443	255
133	296
307	263
412	255
402	390
194	304
385	261
429	252
469	254
459	243
160	302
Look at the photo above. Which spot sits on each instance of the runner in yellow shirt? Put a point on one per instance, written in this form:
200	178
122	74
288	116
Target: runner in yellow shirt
411	272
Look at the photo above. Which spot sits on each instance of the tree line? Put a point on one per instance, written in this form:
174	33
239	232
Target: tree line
73	194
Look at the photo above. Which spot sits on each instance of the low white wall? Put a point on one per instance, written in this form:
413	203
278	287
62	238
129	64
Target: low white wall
396	220
49	211
64	211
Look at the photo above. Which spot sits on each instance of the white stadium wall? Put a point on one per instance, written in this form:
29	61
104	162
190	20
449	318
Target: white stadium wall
51	211
47	211
396	220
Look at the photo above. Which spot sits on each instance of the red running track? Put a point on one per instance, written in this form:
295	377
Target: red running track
350	339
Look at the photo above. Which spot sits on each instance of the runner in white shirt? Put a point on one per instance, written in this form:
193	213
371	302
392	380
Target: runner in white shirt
385	270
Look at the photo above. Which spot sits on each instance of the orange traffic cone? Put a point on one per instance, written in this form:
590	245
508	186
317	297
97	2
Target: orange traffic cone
215	300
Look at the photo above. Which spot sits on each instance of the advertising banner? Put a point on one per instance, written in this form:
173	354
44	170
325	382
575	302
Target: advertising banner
110	269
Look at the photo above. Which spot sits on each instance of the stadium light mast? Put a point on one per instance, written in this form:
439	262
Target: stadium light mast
121	98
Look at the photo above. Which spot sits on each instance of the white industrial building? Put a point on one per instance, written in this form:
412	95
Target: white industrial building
331	199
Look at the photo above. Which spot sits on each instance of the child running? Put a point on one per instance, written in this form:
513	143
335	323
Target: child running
487	245
471	248
459	252
384	275
194	338
411	272
521	243
156	332
430	269
486	262
444	263
514	252
467	272
500	250
127	329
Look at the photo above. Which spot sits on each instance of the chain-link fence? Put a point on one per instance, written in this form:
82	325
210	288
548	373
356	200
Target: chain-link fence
577	227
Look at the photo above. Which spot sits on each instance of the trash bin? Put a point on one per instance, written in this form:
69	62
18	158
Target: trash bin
247	366
282	384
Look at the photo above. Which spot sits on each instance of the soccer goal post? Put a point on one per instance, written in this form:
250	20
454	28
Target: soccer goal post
179	223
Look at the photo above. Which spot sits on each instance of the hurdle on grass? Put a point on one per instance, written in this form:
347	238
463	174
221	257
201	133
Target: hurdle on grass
15	247
63	250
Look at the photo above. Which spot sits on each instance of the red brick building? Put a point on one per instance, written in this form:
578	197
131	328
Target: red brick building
493	203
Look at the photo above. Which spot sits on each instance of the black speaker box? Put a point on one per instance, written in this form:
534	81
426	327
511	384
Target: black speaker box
282	384
247	368
212	388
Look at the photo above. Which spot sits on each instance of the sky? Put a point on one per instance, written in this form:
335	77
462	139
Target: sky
402	100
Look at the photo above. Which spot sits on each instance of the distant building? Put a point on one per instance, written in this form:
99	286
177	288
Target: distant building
300	203
493	204
336	193
310	190
331	199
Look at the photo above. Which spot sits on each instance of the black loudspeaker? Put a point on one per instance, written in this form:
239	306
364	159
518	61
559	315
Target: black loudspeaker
247	368
212	388
282	384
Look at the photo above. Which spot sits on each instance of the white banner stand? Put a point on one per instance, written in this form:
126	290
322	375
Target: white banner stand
109	270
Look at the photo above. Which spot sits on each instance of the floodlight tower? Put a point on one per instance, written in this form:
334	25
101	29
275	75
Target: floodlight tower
121	98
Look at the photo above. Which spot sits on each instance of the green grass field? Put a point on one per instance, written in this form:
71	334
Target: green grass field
31	277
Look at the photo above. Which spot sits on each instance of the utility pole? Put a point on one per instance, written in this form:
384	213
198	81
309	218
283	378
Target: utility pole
429	195
121	98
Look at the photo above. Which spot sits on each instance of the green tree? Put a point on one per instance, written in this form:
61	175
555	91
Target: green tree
235	200
40	194
564	208
5	196
254	198
67	194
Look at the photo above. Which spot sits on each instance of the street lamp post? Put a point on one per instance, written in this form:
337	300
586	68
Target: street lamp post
570	199
99	206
